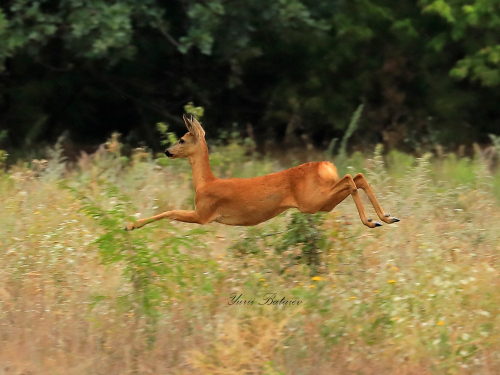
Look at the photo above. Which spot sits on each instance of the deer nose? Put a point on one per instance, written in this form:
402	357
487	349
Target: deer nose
169	154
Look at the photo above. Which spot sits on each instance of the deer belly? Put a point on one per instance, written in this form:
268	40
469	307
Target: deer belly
248	215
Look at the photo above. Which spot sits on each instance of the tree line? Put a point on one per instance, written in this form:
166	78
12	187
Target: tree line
426	71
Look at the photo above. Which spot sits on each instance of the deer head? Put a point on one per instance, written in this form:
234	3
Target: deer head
190	143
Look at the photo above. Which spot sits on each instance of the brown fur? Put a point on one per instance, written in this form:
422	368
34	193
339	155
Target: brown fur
309	187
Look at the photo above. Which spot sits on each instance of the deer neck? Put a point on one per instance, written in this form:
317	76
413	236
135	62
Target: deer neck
200	166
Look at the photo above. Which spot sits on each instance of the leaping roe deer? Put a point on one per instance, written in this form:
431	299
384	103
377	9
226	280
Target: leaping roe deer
310	188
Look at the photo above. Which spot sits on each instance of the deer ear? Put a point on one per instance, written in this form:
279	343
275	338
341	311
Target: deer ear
193	129
198	127
189	125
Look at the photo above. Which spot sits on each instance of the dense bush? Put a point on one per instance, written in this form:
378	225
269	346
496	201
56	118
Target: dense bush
427	71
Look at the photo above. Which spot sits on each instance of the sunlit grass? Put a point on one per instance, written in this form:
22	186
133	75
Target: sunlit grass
416	297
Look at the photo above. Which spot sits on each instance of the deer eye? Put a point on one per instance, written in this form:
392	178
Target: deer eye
181	141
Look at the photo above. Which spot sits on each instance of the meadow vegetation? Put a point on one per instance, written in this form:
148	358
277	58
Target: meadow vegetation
80	295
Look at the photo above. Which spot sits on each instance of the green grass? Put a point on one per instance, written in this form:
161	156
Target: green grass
79	295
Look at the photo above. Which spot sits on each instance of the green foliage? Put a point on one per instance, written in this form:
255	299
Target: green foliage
353	125
341	158
231	151
305	239
482	60
167	138
145	267
253	242
458	170
196	111
73	62
302	242
89	29
399	163
207	18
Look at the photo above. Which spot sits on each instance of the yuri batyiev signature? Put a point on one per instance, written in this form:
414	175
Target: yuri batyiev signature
270	299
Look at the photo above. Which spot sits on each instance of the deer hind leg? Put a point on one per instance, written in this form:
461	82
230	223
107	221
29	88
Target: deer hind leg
341	190
361	183
184	216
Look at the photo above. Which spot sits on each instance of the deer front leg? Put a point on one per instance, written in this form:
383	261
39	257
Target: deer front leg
361	183
341	190
184	216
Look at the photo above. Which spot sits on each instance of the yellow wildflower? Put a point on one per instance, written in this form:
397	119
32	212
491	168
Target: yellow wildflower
316	278
352	298
440	323
391	281
262	279
265	284
312	286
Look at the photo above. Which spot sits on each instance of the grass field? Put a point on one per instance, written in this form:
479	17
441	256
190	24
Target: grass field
79	295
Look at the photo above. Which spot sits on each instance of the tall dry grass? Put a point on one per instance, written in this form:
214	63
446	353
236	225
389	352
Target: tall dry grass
417	297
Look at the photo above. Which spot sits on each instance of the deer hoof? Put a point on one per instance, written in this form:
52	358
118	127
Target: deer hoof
377	224
129	227
395	220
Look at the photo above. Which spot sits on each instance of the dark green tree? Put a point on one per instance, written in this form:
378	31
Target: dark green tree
426	71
